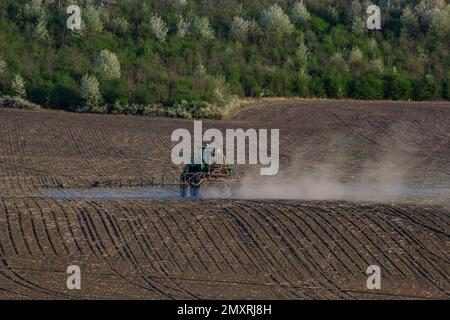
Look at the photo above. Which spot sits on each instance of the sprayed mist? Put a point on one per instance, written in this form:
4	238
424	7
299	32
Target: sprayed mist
384	175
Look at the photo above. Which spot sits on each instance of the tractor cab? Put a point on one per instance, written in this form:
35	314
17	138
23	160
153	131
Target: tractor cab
194	175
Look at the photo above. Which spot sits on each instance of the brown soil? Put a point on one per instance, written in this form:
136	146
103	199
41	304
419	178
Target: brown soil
265	249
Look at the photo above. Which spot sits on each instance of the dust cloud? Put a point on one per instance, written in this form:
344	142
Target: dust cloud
383	175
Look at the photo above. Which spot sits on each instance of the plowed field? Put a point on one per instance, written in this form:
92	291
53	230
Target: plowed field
267	247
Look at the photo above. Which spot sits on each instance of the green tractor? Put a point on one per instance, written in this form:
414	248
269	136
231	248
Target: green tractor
194	175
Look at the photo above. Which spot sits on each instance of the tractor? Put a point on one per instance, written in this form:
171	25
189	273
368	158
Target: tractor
194	175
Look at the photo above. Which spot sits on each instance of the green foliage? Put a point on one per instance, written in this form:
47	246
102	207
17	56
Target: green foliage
427	89
167	58
398	87
368	87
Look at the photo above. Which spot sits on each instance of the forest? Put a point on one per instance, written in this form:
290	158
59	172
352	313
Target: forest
198	58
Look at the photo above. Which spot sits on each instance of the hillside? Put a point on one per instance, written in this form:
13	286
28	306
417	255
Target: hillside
192	58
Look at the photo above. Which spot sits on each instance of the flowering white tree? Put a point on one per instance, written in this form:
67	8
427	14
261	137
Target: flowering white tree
183	27
90	92
203	28
300	13
275	20
18	87
158	28
108	65
239	28
40	30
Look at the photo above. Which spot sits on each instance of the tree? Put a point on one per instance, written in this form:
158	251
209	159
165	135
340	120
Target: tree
409	20
300	14
40	30
355	56
446	89
239	28
33	9
427	89
183	27
108	65
377	65
336	86
90	93
158	28
92	21
203	28
440	22
302	53
359	26
18	87
276	21
119	26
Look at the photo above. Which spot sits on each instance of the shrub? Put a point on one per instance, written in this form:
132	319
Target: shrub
17	103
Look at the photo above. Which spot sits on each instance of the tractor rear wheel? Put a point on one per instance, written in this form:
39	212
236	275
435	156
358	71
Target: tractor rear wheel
195	191
183	190
195	183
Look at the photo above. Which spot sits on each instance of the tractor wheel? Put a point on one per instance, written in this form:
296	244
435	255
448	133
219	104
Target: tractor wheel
183	190
195	191
196	181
